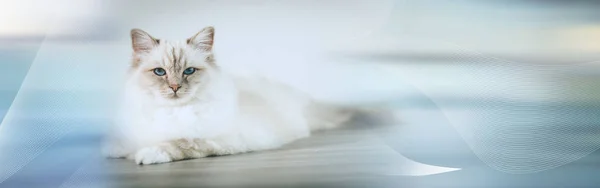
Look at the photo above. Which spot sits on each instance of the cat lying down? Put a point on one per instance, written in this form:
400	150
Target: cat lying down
178	104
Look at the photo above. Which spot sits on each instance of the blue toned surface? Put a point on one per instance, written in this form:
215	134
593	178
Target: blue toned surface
55	166
54	124
15	62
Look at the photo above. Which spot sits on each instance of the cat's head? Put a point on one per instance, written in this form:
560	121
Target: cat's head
172	71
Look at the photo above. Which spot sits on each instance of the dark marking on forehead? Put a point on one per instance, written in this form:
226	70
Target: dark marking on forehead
181	56
166	56
172	59
176	63
173	53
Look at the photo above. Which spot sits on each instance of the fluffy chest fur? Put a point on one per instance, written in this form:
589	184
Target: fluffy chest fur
208	114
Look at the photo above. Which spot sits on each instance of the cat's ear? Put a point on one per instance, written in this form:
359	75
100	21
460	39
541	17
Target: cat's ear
203	40
142	42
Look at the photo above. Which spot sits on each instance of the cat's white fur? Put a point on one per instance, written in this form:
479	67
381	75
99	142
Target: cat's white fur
213	113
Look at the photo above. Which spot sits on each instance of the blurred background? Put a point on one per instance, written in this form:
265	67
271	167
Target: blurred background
495	93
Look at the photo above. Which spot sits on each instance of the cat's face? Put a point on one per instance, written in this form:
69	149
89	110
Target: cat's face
173	71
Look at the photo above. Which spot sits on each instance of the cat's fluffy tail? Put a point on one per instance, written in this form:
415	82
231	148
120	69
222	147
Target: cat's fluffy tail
326	116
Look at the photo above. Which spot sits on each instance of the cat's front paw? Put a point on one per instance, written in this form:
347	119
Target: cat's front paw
152	155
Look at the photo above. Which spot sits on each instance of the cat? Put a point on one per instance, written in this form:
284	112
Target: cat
180	104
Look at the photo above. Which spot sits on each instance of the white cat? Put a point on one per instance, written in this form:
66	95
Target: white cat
179	105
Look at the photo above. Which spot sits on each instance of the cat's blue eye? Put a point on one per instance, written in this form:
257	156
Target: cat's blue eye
160	71
189	71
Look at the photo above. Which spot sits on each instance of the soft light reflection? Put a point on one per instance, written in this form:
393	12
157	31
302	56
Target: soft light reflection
25	18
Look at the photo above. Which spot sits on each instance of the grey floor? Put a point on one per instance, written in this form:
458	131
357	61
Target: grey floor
404	155
335	158
362	154
341	158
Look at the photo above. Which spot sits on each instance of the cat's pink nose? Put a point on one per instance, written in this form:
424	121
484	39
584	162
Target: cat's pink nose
175	87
